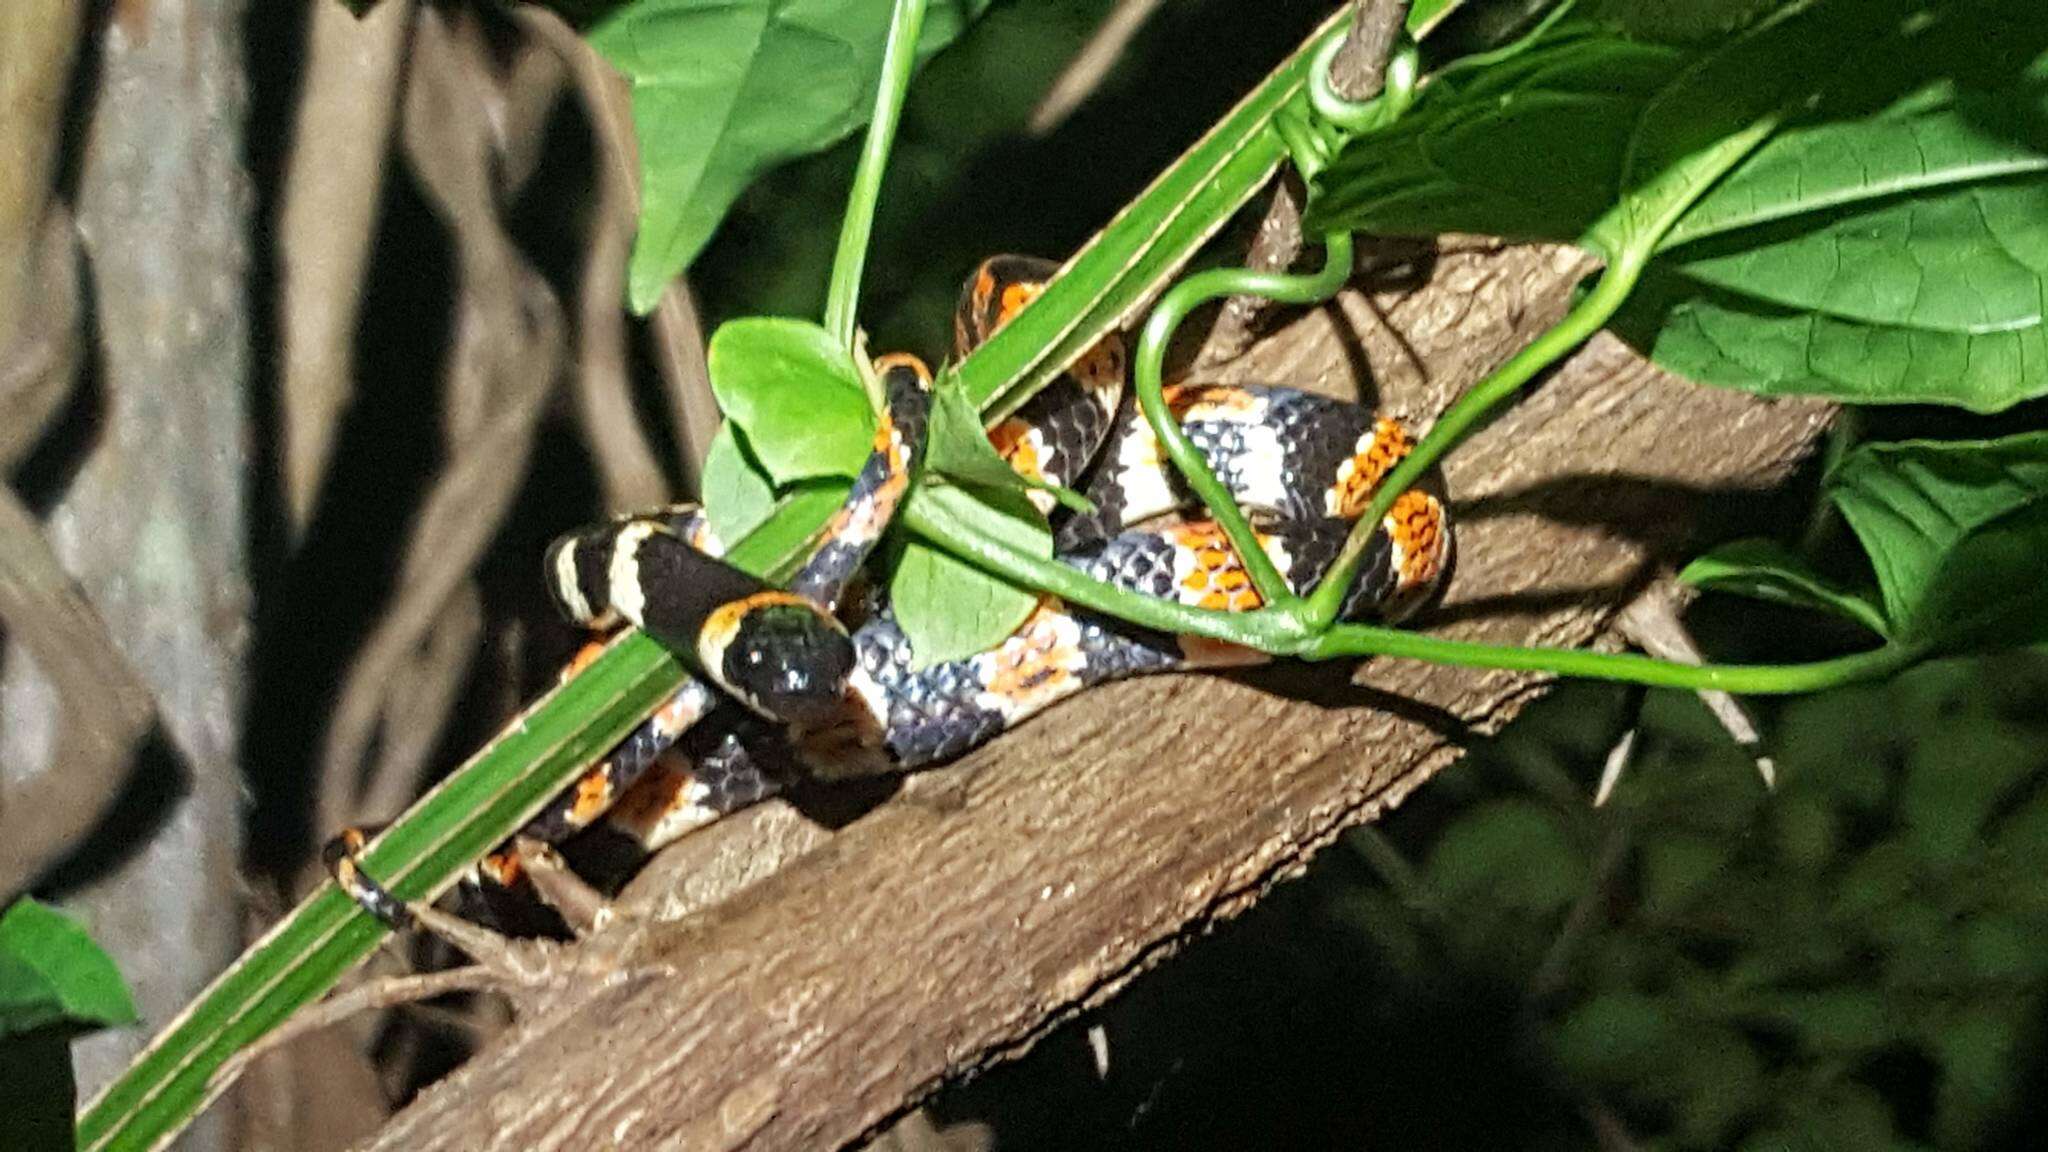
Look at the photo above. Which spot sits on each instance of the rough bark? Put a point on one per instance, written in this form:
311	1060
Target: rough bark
852	972
151	523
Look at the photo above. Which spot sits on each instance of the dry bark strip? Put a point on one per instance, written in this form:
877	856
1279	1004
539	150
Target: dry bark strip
992	899
327	229
150	521
466	139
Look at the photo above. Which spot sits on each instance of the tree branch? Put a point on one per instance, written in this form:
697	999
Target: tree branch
993	899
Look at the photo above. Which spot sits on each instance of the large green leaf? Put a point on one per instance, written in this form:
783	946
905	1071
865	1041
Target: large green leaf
1890	245
1891	256
51	972
723	90
1527	142
1727	340
1965	261
1956	532
1551	137
1937	137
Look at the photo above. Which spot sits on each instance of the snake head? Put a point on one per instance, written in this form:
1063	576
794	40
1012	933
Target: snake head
783	656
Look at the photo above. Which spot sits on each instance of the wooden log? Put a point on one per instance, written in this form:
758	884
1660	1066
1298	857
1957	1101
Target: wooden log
789	987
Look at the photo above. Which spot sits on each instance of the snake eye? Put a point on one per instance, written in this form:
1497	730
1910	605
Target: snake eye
790	661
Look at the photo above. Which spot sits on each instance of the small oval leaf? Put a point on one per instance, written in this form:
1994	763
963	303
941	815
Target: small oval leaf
738	495
796	396
950	609
957	447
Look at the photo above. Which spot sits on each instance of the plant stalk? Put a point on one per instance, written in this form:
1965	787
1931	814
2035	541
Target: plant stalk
899	59
1281	634
1148	364
1586	318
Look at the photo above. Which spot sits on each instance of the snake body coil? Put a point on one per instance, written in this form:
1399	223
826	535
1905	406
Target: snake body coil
833	703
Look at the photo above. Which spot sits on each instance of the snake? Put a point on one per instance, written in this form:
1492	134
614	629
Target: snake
818	679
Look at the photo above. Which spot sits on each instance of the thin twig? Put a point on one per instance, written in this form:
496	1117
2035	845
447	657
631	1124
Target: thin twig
1090	66
626	463
678	336
1651	622
582	907
1360	70
1274	248
391	992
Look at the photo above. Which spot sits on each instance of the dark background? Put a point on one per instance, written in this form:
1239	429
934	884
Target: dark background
1854	961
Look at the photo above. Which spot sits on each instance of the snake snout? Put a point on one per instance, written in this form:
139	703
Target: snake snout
791	662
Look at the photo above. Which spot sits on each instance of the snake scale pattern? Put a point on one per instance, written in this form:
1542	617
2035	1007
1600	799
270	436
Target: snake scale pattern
819	680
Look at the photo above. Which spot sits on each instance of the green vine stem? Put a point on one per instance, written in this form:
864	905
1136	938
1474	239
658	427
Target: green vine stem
1349	641
1147	366
1578	325
1266	631
1278	634
899	58
1404	72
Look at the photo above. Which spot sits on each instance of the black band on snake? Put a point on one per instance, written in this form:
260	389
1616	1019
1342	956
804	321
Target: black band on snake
842	703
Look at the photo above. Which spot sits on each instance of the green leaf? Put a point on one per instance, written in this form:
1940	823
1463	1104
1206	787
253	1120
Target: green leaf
948	608
738	495
957	448
1937	138
1720	107
1934	297
1580	133
51	972
1527	142
795	394
1511	854
1767	570
1619	1037
1731	342
1967	261
1891	249
1956	532
723	90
